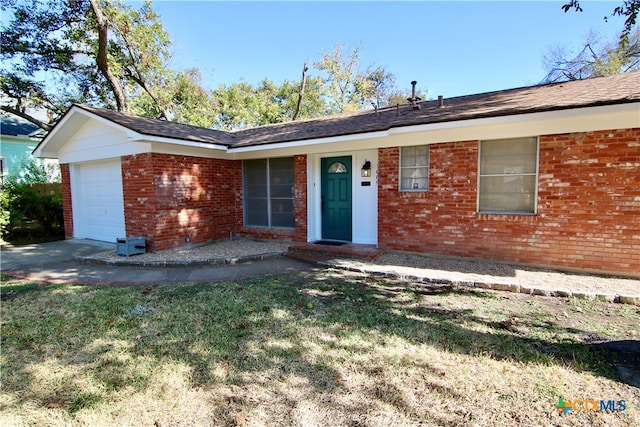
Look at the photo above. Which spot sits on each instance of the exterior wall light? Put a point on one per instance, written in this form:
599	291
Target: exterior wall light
365	172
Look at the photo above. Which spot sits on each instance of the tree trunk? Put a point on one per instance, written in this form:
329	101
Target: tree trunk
101	60
301	93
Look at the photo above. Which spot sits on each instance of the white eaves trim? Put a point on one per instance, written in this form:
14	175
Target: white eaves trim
307	142
584	119
60	134
531	117
140	137
559	121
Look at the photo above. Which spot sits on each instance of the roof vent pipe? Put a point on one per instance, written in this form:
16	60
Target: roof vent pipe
414	99
440	101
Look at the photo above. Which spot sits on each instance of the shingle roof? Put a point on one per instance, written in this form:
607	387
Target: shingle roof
14	125
162	128
615	89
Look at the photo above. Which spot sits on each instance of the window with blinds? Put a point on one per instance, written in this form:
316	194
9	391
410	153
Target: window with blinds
508	176
268	192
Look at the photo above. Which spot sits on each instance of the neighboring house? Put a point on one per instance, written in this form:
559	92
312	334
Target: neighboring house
17	140
543	175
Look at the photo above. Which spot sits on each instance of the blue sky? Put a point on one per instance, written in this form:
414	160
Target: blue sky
451	48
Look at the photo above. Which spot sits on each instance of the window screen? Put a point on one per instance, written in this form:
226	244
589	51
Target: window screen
508	175
268	192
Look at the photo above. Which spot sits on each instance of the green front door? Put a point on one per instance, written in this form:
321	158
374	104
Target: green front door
336	198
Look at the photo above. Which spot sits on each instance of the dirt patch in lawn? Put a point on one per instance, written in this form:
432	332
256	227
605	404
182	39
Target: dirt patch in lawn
325	347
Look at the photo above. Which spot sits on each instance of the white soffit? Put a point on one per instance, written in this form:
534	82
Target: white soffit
76	117
586	119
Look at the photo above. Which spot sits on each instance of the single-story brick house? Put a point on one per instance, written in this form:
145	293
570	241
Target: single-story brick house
544	175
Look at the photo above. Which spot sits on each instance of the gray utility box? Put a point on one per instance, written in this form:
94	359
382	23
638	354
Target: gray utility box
127	246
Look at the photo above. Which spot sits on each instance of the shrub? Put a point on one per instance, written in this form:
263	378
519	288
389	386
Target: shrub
26	215
29	216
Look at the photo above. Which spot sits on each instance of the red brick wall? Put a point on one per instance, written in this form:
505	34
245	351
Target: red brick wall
300	197
169	197
67	209
588	213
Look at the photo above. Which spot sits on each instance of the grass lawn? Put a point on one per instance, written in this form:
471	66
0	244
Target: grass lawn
325	348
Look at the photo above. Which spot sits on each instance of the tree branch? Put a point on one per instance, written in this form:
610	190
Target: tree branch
25	116
301	92
143	84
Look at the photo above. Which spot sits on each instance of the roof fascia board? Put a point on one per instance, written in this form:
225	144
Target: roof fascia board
38	151
181	150
133	136
527	117
19	139
137	137
445	131
559	117
306	142
104	152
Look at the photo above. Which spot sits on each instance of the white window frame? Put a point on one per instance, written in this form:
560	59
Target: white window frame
536	174
427	167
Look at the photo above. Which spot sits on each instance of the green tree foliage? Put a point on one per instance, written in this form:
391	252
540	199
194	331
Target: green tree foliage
595	58
40	45
242	105
184	98
103	53
35	171
629	10
25	213
111	54
348	85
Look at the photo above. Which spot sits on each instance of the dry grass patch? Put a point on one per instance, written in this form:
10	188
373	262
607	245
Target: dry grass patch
323	348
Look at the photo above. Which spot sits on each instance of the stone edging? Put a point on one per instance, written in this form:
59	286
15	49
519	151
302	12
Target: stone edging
531	290
194	263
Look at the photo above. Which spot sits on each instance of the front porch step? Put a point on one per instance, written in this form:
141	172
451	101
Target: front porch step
314	252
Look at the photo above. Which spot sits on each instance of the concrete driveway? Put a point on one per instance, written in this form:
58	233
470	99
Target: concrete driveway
19	257
56	262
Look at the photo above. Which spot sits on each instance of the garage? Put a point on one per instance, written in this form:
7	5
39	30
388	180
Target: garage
98	207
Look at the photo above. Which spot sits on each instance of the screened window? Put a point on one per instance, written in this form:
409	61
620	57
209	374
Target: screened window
414	168
268	192
508	175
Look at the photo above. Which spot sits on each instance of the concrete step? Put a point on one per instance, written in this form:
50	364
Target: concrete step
323	252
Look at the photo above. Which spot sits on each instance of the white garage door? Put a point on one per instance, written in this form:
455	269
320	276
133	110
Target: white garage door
98	207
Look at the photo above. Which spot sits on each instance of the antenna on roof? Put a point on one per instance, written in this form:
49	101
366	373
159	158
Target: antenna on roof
414	99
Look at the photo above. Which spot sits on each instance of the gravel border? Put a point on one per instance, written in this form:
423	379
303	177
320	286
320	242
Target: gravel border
496	276
220	252
403	265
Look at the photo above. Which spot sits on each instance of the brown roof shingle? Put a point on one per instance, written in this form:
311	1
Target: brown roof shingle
615	89
163	128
